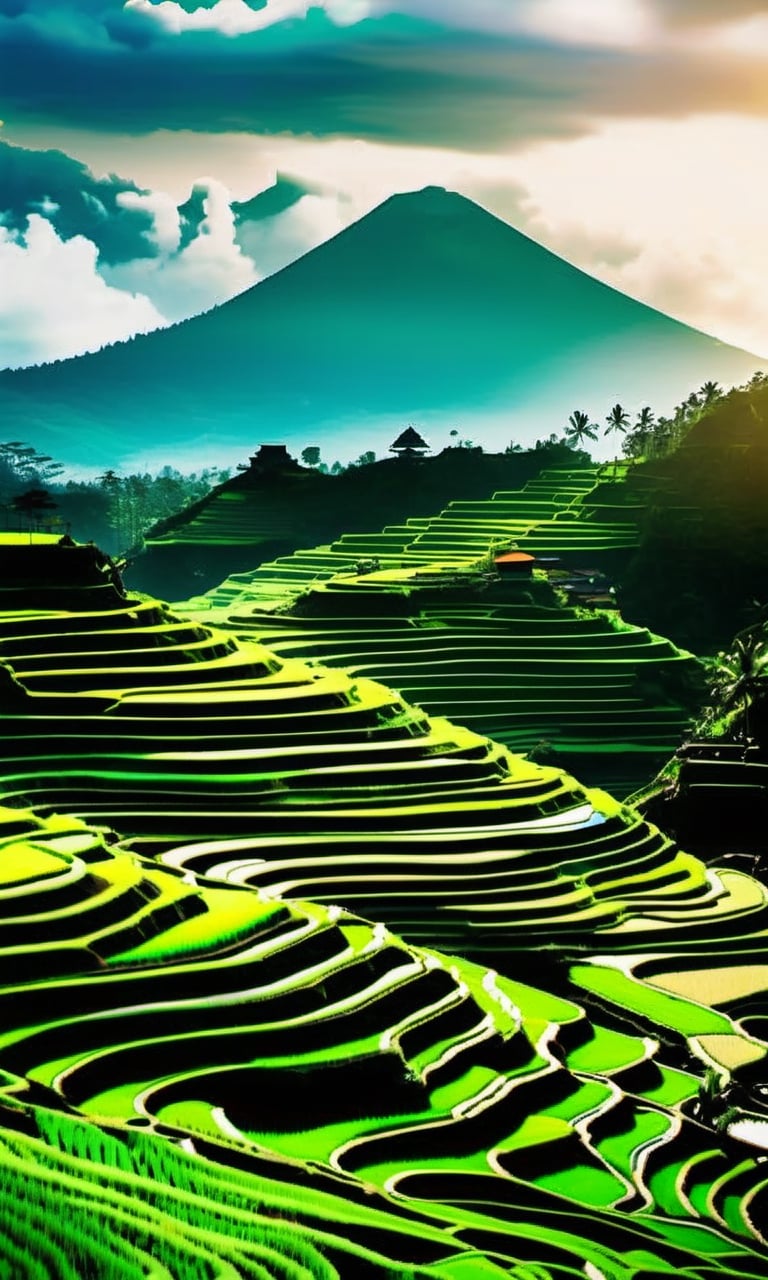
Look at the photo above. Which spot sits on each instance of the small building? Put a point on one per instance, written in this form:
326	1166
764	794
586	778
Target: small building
409	444
272	457
514	564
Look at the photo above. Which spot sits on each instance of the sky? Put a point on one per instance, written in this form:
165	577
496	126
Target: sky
160	156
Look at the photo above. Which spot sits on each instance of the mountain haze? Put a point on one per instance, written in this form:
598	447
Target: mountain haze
429	309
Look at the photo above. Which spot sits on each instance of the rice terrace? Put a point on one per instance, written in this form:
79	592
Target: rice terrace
383	640
333	942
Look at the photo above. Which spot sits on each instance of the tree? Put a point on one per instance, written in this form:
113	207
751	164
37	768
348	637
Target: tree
617	420
33	505
21	466
579	429
710	392
636	443
662	436
311	455
741	677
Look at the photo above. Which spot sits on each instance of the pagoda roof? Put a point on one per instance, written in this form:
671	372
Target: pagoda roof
409	439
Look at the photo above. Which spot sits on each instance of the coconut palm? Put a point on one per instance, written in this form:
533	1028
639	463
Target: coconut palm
579	429
617	420
710	392
661	437
637	442
741	678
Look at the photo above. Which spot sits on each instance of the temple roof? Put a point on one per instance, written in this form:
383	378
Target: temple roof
409	439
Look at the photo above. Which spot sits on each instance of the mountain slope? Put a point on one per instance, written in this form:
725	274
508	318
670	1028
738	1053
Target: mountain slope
428	308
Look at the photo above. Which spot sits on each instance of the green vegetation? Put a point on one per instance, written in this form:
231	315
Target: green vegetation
233	1043
115	509
515	660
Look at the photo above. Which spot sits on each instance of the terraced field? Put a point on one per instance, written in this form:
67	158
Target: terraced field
560	513
274	506
209	751
232	1041
201	1081
506	658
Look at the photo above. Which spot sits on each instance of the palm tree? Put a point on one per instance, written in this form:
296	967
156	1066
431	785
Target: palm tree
643	429
579	429
661	437
710	392
742	675
617	419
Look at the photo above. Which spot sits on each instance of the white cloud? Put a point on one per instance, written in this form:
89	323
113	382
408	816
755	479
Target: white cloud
273	243
613	23
672	211
747	36
54	303
236	18
209	270
683	203
166	224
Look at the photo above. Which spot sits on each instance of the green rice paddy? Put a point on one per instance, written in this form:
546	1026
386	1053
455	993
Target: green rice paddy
298	979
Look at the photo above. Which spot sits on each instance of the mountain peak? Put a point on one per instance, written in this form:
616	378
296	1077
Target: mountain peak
428	309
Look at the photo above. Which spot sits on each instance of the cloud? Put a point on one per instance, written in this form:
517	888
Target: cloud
74	201
693	13
614	24
276	241
673	213
194	273
746	37
512	72
54	303
237	17
389	76
158	261
706	282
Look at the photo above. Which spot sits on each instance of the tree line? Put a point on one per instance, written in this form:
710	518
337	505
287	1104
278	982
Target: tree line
648	436
114	510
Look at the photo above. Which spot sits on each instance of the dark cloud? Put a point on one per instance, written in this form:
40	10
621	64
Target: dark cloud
389	79
74	201
282	195
666	85
192	215
392	78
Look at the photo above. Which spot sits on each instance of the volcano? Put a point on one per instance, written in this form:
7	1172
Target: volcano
429	309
